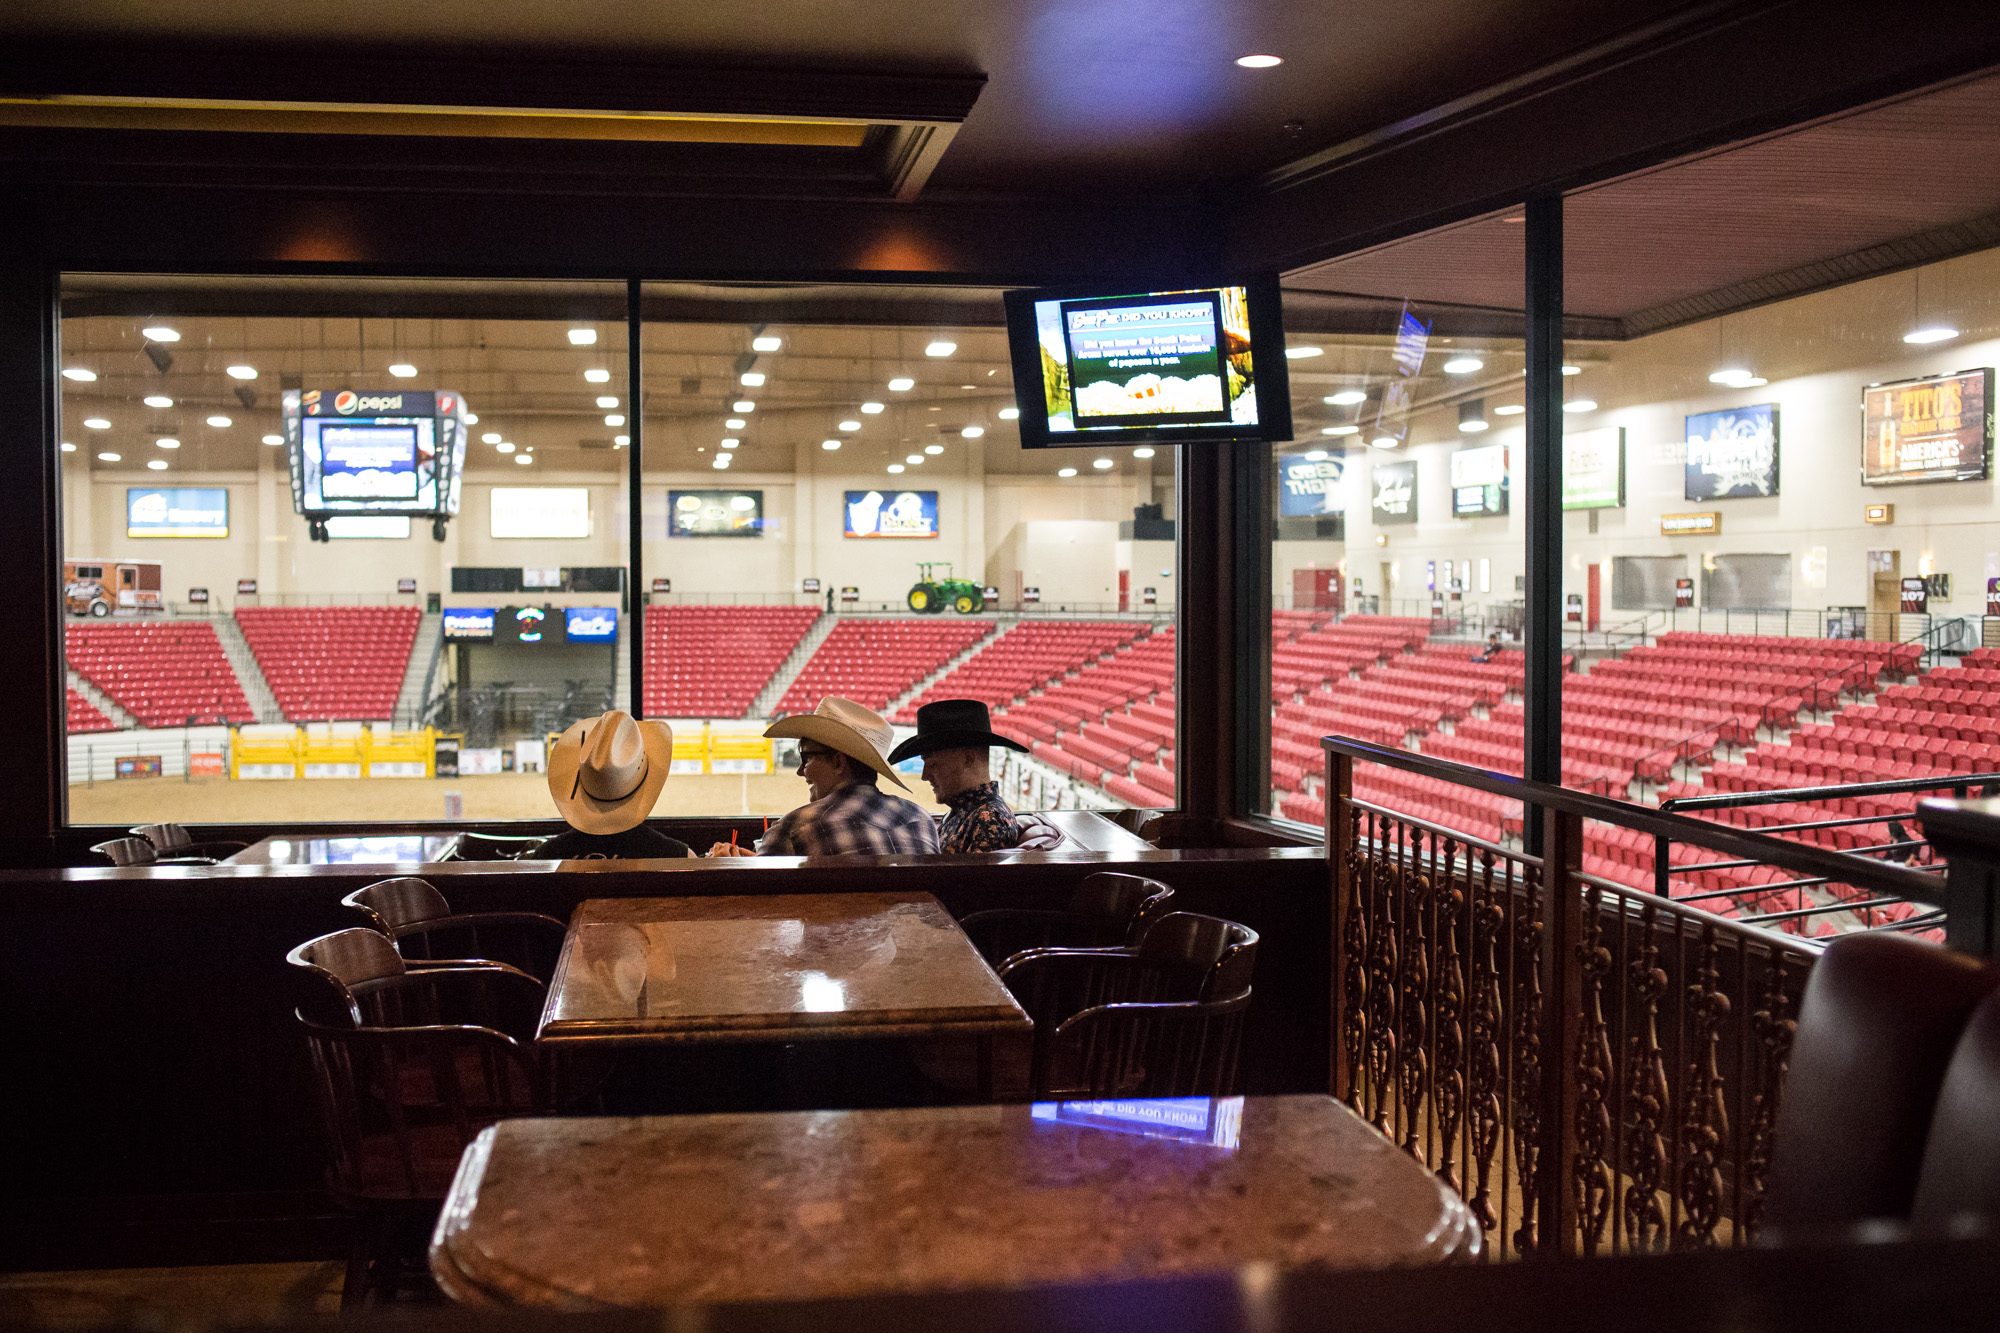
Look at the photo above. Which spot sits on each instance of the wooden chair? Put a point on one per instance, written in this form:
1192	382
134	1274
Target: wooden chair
1958	1186
416	916
173	840
1161	1018
490	847
356	978
1880	1020
1106	909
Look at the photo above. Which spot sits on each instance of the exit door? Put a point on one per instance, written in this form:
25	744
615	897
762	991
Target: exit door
1124	590
1590	595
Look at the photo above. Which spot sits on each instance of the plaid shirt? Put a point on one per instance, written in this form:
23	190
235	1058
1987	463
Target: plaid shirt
979	821
860	817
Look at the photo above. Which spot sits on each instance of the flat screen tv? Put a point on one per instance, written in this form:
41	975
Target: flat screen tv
1097	367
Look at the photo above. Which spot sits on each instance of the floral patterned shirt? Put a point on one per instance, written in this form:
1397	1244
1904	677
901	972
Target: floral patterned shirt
979	822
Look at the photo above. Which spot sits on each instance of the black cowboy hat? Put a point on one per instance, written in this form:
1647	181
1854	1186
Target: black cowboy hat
952	724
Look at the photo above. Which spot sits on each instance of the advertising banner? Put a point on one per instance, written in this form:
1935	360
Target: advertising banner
715	513
540	511
469	624
527	625
176	511
1733	453
1936	429
890	514
1594	468
1393	492
590	624
1308	486
1479	481
1916	599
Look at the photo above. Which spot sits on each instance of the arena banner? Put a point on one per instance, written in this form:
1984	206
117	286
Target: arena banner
1393	488
1935	429
540	512
1479	481
890	514
177	511
1594	468
1733	453
1310	486
715	513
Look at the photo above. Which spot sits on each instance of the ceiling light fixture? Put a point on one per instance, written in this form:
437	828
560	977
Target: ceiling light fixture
1009	414
607	400
914	458
973	432
620	441
158	400
1581	405
1734	377
582	337
79	374
1315	455
1384	442
220	422
274	439
902	384
97	423
1347	398
1463	365
1473	425
895	467
1340	430
831	446
734	423
597	375
472	418
751	379
614	419
1472	416
68	448
157	464
505	446
1301	353
524	459
767	343
160	333
108	458
743	405
1066	472
728	442
1101	464
933	449
1142	453
1572	370
1260	62
242	372
1935	334
870	409
167	442
941	347
403	370
492	437
1510	410
850	425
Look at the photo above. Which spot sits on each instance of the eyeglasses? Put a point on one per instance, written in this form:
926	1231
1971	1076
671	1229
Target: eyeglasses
806	756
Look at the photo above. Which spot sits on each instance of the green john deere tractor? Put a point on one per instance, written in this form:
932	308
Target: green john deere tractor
930	596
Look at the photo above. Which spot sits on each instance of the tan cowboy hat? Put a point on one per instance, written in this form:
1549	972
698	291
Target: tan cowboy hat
844	725
606	772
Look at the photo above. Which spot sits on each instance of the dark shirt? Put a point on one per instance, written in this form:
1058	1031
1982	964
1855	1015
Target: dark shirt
979	822
634	844
859	817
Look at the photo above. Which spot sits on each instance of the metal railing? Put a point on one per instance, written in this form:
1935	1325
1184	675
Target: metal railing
1594	1068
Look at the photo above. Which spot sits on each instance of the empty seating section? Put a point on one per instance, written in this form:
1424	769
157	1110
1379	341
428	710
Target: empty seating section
332	663
84	715
872	661
713	661
1025	658
1110	723
162	672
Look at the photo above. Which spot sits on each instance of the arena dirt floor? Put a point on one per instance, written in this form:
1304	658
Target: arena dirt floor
497	796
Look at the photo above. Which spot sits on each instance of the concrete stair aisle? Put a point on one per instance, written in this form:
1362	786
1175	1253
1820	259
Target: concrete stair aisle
1001	624
103	702
774	689
249	675
417	674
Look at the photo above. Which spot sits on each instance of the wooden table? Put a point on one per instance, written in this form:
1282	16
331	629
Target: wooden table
641	1212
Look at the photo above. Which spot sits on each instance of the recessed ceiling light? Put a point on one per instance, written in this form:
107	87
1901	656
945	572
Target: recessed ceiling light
597	375
524	459
729	442
614	419
1340	430
108	458
68	448
1010	413
751	379
829	445
850	425
274	439
1142	453
902	384
582	337
1260	62
242	372
1066	472
1510	410
1384	442
973	432
933	449
734	423
939	348
492	437
1463	365
743	405
620	441
914	458
1347	398
505	447
870	409
80	374
1732	376
1301	353
1473	425
767	343
220	422
1572	370
1315	455
607	400
721	461
1101	464
895	467
472	418
166	442
158	400
157	464
403	370
97	423
1936	334
1580	405
160	333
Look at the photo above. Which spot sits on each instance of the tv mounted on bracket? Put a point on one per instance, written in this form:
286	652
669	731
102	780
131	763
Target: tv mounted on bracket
1096	367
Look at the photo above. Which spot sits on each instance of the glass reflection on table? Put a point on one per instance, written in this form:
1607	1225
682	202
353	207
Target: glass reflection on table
1214	1121
353	851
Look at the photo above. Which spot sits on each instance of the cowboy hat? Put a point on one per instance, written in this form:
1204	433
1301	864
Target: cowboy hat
606	772
846	726
952	724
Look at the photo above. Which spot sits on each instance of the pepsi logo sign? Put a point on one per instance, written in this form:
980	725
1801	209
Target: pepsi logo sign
344	401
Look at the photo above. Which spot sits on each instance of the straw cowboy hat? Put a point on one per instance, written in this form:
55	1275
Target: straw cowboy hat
606	772
846	726
952	724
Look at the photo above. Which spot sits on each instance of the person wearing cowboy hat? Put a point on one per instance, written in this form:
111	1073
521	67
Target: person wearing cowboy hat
605	773
956	738
843	748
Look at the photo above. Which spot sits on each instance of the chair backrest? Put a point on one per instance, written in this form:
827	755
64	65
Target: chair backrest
164	837
127	852
350	956
394	903
490	847
1223	953
1961	1169
1134	899
1877	1027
